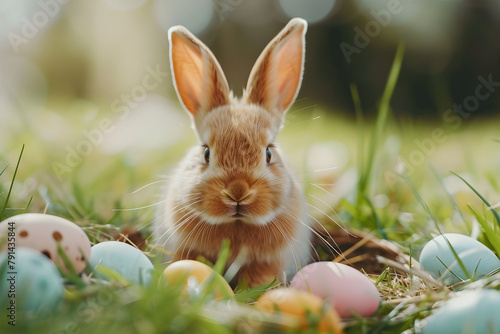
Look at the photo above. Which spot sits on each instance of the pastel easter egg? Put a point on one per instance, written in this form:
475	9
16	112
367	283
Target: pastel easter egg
43	233
348	290
437	258
30	283
184	272
472	312
124	259
301	310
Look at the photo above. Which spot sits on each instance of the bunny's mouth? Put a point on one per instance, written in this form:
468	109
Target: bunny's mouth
238	218
238	210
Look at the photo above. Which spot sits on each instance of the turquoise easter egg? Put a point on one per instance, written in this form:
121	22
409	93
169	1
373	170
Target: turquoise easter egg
475	312
438	258
122	258
30	283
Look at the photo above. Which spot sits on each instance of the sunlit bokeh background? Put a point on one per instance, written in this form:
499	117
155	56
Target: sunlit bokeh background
72	88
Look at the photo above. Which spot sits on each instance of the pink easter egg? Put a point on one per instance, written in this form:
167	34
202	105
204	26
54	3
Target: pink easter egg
349	291
46	233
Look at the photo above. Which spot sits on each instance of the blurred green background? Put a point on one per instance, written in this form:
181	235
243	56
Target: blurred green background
86	86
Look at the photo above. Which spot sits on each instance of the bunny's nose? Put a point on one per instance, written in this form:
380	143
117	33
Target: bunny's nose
238	191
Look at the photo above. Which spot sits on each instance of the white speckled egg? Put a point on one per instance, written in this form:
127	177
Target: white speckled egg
124	259
347	289
472	312
476	257
42	232
29	283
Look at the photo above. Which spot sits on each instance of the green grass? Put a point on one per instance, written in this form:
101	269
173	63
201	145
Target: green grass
407	209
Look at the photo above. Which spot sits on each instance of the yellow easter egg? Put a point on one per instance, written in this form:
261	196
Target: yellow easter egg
181	272
307	309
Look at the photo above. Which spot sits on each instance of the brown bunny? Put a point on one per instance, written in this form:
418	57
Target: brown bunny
235	185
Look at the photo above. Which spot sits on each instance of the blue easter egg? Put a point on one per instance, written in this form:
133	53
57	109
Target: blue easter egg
438	258
475	312
30	283
122	258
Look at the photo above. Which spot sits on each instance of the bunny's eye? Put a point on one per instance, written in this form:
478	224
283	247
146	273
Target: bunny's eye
207	155
268	154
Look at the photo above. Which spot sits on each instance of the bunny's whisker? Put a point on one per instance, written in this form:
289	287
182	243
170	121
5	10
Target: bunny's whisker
145	186
341	224
172	229
329	218
140	208
186	240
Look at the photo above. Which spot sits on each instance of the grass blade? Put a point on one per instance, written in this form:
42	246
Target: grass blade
492	236
422	202
448	194
450	271
380	122
380	227
459	260
70	272
28	205
360	124
3	170
495	213
224	254
243	295
382	276
11	184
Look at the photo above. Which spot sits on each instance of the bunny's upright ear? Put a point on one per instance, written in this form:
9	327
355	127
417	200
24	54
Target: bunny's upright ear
198	78
276	76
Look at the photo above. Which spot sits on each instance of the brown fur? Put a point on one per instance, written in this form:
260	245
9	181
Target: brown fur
238	195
